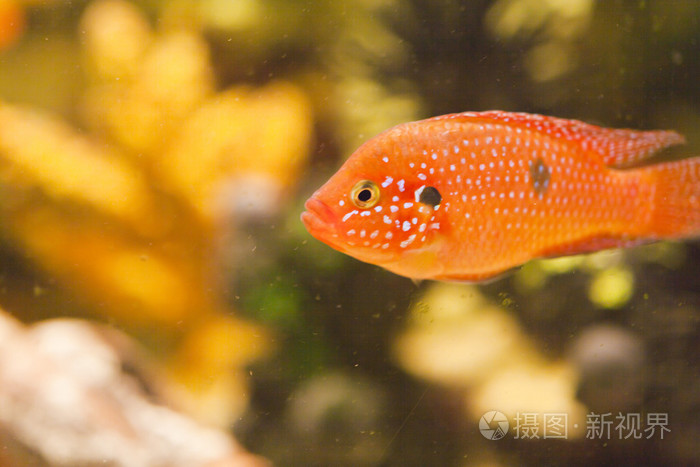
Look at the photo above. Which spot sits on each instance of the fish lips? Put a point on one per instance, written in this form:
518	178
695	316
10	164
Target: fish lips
319	220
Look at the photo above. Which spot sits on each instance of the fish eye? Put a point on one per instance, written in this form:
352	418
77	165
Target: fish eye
365	194
429	195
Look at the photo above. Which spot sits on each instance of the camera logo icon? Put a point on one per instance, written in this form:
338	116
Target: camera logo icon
493	425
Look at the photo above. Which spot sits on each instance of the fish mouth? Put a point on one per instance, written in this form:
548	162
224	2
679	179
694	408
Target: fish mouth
319	219
322	223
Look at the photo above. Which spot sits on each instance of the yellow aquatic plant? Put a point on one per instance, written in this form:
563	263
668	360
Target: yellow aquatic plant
126	215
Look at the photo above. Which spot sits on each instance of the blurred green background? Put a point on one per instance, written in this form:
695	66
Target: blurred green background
155	157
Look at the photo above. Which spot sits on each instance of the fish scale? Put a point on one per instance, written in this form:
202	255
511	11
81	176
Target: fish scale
506	188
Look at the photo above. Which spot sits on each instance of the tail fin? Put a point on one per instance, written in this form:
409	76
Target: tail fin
676	200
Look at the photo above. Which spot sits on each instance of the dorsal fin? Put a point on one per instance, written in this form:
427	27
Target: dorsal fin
617	147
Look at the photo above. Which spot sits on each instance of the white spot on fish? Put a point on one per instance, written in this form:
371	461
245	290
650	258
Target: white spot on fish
387	219
349	215
408	241
365	213
400	184
393	208
378	208
407	205
406	226
387	182
341	203
418	193
422	176
385	159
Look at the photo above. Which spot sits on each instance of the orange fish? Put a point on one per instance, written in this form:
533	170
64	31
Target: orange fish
468	196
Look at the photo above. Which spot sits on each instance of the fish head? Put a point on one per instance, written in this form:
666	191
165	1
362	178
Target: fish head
377	209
